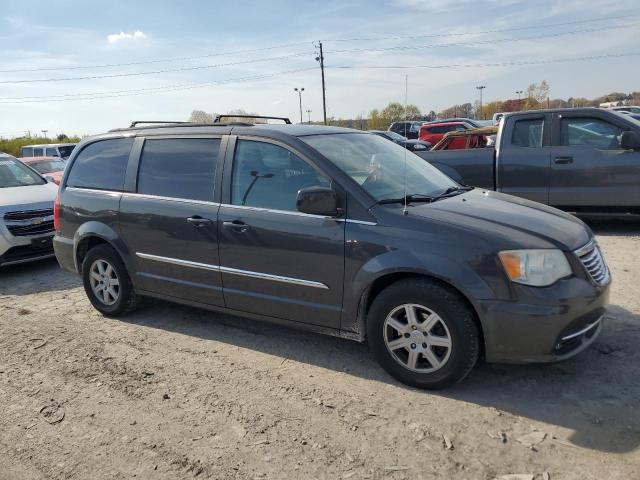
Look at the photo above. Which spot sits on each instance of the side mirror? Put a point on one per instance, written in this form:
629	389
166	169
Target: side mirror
49	178
318	201
630	140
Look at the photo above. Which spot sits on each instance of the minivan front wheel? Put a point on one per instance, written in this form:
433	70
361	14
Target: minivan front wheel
423	334
107	283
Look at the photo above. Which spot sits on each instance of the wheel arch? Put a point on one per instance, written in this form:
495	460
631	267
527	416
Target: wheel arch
92	234
385	280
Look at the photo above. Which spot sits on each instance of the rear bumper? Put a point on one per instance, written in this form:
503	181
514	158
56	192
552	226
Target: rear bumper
63	248
545	324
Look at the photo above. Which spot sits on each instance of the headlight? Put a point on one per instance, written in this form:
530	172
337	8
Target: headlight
538	268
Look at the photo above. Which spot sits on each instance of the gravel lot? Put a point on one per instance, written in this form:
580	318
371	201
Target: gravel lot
173	392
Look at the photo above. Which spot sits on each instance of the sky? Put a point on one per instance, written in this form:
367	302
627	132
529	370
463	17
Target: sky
86	67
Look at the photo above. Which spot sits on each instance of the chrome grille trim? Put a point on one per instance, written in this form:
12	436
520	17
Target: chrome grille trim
592	260
26	223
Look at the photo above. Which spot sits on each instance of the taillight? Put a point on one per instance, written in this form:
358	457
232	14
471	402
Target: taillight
56	213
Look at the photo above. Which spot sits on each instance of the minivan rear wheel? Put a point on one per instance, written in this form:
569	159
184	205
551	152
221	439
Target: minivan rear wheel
423	333
107	283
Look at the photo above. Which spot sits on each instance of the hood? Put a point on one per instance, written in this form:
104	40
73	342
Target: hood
31	197
513	222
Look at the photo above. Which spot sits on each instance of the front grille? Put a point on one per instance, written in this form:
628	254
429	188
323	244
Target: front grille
29	222
594	263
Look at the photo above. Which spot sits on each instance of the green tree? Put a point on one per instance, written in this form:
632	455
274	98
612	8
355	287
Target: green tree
394	112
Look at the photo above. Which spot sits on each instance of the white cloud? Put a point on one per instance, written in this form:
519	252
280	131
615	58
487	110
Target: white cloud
116	37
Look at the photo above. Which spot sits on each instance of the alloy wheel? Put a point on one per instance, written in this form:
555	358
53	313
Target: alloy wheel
417	338
104	282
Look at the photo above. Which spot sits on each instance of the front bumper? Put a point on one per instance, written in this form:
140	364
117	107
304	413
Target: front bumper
545	324
15	250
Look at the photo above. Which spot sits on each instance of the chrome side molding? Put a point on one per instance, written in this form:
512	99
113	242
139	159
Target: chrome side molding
233	271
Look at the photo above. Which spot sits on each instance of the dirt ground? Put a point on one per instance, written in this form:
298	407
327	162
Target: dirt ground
173	392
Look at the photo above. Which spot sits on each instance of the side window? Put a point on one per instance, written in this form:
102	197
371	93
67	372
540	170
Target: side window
590	131
179	168
459	128
269	176
527	133
26	152
101	165
38	152
51	152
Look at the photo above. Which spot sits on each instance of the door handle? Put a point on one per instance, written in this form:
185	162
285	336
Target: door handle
563	160
237	225
198	221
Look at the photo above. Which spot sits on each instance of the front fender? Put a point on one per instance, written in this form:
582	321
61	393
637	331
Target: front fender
367	263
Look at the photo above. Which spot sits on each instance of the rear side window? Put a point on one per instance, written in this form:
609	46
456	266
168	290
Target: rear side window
38	152
26	152
590	131
179	168
527	133
101	165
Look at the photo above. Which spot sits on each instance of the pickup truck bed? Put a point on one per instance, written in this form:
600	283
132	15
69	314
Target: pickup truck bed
583	160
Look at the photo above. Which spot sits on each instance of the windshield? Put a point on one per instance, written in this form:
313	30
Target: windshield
65	151
48	166
395	136
377	165
15	174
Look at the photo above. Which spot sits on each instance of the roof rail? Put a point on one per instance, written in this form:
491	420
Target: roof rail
154	122
231	115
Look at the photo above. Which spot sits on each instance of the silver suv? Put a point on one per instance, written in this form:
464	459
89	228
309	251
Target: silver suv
26	213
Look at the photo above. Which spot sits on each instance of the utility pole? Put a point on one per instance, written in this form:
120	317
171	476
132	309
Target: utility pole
300	98
309	116
320	59
44	132
481	87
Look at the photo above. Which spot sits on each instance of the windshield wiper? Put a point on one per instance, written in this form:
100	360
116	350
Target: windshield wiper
453	191
414	197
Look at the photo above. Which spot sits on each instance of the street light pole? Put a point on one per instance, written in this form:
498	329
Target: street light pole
519	92
300	90
309	116
481	87
44	132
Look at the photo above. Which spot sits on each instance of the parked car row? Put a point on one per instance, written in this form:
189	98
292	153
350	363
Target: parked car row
390	248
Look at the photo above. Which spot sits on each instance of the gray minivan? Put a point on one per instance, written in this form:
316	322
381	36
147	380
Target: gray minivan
334	230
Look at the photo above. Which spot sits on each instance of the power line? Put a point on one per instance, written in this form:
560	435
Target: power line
161	60
299	54
286	45
155	72
179	87
479	42
484	65
481	32
172	88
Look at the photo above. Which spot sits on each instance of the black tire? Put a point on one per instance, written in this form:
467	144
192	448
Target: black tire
458	324
127	300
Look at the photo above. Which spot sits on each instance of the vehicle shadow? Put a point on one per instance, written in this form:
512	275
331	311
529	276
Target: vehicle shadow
613	227
596	394
36	277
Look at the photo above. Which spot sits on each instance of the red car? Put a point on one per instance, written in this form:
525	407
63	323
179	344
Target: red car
433	132
46	166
